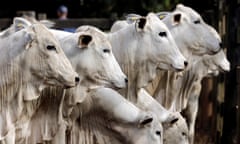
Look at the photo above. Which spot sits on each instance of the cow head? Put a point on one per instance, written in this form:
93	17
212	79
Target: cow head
175	130
190	31
216	63
161	47
45	60
158	44
91	54
148	131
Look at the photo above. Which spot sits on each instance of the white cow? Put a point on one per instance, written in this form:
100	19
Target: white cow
183	91
140	47
119	24
206	66
193	37
175	129
31	59
113	119
90	54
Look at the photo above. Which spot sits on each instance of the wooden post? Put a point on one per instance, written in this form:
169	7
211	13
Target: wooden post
237	106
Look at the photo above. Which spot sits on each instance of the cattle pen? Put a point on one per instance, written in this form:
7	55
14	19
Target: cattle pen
218	120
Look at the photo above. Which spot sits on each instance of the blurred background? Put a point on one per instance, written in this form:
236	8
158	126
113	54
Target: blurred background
218	119
98	8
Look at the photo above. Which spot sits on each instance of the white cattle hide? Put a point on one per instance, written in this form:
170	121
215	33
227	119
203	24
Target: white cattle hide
31	59
193	37
119	24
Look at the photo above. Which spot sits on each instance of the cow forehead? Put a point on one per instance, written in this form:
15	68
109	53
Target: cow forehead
98	37
192	14
155	22
44	35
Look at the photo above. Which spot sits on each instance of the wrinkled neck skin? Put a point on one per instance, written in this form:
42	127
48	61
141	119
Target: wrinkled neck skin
73	97
188	82
132	59
17	87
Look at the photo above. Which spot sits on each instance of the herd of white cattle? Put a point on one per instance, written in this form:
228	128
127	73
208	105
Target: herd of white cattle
139	83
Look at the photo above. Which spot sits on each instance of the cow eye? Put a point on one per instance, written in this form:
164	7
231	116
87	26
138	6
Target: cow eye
197	21
184	134
158	133
106	50
49	47
163	34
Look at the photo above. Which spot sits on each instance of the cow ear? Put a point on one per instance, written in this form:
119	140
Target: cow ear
180	6
162	15
131	18
84	40
145	121
141	23
173	121
20	23
177	18
29	37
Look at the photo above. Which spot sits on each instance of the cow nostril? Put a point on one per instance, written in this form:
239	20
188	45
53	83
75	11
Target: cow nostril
221	45
126	80
77	79
185	63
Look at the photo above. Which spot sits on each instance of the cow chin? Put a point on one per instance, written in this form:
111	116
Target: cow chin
107	82
163	66
110	84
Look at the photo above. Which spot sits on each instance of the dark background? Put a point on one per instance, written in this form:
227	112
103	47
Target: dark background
98	8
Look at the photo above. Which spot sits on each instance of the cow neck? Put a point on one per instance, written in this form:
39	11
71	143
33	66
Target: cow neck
124	43
14	87
10	84
139	76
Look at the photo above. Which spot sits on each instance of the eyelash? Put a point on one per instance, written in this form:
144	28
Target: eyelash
197	21
163	34
106	51
51	47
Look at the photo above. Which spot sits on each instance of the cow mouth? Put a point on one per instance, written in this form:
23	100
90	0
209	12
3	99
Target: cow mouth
201	50
108	84
105	82
214	52
223	70
177	69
